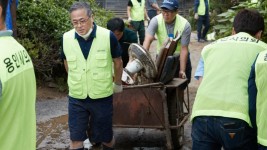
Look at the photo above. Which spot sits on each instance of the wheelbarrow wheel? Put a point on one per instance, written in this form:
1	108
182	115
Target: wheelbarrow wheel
178	137
175	108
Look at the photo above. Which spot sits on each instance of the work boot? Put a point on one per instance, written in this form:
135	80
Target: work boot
202	40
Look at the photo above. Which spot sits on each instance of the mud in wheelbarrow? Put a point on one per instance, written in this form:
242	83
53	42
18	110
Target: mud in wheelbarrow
155	106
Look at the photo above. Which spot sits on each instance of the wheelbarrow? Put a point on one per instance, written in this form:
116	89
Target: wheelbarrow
156	105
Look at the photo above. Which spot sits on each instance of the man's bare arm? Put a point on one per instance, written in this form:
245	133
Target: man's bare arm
117	70
66	65
155	6
147	42
183	60
129	12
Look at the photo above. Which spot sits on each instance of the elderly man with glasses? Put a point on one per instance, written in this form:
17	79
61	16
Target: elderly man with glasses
88	53
167	24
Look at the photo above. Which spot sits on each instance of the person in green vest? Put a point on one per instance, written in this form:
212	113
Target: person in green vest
91	54
136	13
201	9
220	114
124	35
257	87
17	92
166	25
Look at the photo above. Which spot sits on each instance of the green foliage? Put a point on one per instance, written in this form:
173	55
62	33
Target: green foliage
40	27
222	14
224	21
191	19
101	16
61	84
41	24
220	5
216	7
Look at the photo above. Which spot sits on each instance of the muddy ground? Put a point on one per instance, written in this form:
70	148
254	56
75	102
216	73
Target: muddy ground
52	126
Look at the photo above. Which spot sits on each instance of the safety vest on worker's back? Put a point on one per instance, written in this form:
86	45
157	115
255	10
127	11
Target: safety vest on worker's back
202	7
17	103
93	76
162	34
261	83
138	10
224	88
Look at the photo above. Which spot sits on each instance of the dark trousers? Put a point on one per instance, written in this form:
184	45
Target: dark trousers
151	13
261	147
139	27
213	133
203	21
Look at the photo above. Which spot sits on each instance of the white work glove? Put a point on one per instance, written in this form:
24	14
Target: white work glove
117	88
182	74
196	16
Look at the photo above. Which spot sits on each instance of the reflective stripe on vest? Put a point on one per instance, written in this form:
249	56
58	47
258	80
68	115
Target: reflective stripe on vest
261	82
202	7
93	76
138	10
162	34
223	90
17	104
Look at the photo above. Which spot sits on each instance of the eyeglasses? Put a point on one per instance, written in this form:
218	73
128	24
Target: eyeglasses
81	22
167	11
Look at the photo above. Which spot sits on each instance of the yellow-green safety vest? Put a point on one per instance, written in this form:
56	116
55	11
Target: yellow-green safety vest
91	77
138	10
261	83
223	90
17	103
162	34
202	7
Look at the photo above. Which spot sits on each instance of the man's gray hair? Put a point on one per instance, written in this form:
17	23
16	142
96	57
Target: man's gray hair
81	5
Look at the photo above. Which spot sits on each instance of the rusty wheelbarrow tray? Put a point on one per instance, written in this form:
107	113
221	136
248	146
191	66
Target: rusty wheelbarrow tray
153	105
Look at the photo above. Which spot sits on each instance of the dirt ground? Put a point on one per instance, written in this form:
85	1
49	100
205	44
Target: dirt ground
52	126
